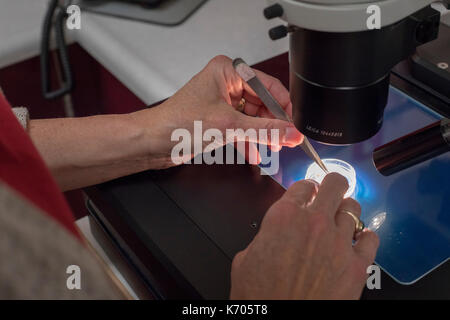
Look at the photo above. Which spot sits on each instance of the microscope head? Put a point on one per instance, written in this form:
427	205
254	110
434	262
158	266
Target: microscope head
340	60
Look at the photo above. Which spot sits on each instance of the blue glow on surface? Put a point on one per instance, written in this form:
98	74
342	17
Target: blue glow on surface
415	237
364	187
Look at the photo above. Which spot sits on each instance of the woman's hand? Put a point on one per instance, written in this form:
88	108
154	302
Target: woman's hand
213	97
304	247
86	151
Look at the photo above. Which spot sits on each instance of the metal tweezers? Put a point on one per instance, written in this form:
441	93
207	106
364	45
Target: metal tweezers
249	76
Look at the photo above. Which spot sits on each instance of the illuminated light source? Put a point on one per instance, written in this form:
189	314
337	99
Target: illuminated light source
315	173
377	221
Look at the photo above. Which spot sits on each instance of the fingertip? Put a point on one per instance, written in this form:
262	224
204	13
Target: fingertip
301	138
367	244
292	137
303	191
374	236
275	148
336	179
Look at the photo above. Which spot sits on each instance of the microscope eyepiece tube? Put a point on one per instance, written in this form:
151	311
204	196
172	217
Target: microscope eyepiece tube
413	148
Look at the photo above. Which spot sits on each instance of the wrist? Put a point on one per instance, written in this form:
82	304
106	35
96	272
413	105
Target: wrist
152	135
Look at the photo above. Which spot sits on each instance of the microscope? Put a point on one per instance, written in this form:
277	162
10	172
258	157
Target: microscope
340	76
340	65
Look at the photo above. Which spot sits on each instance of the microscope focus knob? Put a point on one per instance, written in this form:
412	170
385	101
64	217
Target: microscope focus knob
274	11
278	32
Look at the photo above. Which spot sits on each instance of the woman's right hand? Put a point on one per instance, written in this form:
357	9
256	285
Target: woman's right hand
304	248
212	97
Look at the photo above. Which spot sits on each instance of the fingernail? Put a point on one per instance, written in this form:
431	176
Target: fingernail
292	136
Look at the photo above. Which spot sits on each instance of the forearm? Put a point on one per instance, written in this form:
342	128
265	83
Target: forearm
86	151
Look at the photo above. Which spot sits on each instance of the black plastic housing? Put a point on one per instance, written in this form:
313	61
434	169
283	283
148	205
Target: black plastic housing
339	81
412	149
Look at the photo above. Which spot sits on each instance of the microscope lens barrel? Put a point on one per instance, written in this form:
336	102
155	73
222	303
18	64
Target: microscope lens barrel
339	81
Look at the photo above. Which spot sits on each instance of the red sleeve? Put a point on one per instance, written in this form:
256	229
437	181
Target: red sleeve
22	168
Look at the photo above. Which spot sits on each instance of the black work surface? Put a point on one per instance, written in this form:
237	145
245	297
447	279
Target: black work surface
192	219
187	223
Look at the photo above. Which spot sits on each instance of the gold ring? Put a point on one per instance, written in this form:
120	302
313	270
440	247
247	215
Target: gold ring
359	225
241	105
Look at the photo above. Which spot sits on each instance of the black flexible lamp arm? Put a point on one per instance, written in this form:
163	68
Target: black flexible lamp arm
57	13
